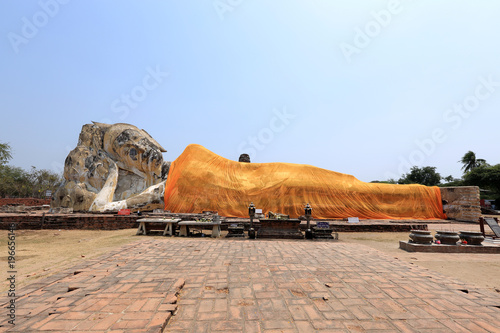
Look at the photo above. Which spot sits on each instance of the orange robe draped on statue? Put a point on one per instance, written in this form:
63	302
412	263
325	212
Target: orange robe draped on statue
201	180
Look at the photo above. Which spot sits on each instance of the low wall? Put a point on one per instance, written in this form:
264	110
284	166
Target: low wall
463	203
24	201
69	221
115	222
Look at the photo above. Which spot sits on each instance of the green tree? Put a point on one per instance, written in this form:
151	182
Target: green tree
470	161
451	181
14	182
5	153
449	178
388	181
484	176
425	176
41	181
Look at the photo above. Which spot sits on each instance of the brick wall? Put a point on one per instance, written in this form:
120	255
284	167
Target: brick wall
115	222
69	221
24	201
463	203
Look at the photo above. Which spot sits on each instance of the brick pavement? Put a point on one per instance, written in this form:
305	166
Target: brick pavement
212	285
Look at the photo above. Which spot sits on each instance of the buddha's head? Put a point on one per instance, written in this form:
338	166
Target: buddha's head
134	150
129	151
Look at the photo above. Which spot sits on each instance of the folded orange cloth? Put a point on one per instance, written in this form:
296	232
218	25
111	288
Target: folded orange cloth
202	180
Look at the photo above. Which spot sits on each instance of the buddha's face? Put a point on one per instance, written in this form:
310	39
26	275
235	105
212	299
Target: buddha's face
73	195
82	166
134	150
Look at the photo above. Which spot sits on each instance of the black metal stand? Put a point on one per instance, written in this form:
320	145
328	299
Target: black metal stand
251	231
251	213
309	233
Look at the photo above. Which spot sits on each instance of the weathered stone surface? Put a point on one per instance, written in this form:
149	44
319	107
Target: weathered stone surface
73	195
280	216
462	203
113	167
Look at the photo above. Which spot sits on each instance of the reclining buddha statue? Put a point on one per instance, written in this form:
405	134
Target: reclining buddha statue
120	166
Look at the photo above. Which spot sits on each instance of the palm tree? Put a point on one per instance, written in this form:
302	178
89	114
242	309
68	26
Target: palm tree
470	161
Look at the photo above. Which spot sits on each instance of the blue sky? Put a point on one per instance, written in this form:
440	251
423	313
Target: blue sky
367	88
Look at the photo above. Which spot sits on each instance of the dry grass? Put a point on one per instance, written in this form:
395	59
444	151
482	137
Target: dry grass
41	253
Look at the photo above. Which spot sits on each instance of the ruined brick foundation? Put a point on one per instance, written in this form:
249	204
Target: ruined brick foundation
463	203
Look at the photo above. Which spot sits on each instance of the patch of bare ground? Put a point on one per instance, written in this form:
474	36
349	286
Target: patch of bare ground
41	253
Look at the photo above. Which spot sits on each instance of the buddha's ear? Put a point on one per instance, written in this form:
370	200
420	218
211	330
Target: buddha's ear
102	126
